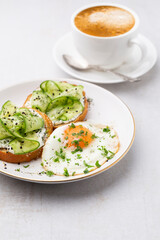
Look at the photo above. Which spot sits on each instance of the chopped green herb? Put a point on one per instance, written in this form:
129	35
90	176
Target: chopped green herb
59	140
60	154
43	172
86	171
56	159
78	134
105	152
18	169
49	173
76	142
85	143
42	164
72	125
77	163
66	173
79	156
94	136
73	173
97	164
26	166
68	159
86	133
107	129
87	165
53	136
78	149
66	138
113	136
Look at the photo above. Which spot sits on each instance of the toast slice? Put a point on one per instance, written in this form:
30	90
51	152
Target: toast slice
81	117
19	158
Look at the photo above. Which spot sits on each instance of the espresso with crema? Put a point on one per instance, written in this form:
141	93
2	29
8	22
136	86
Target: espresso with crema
104	21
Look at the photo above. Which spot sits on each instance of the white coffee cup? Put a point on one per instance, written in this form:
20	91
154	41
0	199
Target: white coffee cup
107	51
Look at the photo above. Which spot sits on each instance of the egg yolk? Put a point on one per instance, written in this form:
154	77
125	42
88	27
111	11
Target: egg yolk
78	136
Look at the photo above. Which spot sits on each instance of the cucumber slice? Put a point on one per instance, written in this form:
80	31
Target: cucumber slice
63	86
52	89
40	100
8	109
4	132
64	108
32	121
71	112
14	125
24	146
61	101
43	85
75	91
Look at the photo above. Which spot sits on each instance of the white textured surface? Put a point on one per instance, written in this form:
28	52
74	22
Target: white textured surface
122	203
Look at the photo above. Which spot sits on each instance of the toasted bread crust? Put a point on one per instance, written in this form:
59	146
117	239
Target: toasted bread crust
15	158
78	119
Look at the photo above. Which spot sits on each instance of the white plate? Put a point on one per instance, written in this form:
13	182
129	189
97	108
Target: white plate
105	108
133	66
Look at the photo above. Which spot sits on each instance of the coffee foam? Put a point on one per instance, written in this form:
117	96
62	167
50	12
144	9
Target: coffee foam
104	21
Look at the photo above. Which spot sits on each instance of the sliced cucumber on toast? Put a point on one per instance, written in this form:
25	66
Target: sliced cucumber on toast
23	146
21	126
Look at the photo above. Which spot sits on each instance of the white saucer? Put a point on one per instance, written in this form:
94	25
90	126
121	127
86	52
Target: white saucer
133	67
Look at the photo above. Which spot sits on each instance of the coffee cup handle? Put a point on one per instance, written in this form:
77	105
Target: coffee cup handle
137	41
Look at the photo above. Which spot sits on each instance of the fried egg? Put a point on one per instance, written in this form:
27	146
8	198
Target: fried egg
79	148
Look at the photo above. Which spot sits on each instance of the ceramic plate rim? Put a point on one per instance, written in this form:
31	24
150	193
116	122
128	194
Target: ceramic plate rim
81	177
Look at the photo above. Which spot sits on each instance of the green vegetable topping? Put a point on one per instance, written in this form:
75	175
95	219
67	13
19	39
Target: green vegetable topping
94	136
107	129
42	164
106	153
68	159
86	171
77	163
18	169
56	159
113	136
72	125
59	140
97	164
66	173
78	149
79	156
73	173
49	173
87	165
26	166
60	154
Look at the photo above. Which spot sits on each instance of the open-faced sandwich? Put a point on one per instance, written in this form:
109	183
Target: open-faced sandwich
79	148
23	133
62	102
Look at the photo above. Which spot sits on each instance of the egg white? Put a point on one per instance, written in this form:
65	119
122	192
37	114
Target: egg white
90	155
